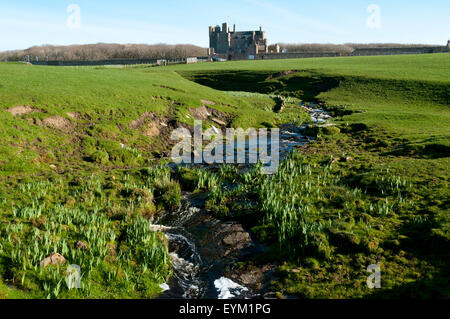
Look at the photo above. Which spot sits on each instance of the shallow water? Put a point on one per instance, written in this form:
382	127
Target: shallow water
199	273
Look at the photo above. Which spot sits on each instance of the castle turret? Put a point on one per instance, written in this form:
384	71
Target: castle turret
448	46
277	48
225	27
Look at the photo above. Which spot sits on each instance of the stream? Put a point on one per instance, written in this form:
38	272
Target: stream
203	247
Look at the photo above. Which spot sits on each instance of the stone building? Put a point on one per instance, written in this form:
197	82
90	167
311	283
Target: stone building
228	44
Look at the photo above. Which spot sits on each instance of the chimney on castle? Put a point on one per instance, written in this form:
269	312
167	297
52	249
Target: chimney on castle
234	28
260	29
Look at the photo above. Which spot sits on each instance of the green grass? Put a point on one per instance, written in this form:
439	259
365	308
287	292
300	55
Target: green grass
325	220
329	220
432	67
405	95
388	204
106	102
110	215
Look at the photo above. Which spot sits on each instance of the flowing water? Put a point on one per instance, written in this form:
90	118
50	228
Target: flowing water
199	272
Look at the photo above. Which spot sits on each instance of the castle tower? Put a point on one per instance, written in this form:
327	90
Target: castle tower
277	48
225	27
448	46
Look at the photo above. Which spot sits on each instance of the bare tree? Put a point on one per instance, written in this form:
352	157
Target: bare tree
105	51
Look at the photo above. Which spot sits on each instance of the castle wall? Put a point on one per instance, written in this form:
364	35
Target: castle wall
122	62
272	56
397	51
359	52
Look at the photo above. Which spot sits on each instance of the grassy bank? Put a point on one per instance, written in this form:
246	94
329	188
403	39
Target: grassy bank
372	190
77	144
407	96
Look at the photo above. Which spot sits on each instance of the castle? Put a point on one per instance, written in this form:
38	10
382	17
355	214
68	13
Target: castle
225	44
228	44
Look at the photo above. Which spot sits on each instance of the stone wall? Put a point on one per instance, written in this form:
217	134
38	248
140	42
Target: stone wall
398	51
121	62
357	52
299	55
272	56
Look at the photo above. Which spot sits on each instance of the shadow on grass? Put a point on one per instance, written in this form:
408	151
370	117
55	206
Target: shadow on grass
431	151
435	288
421	241
304	85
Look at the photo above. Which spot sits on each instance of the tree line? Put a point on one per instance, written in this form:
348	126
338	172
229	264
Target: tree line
108	51
104	51
340	48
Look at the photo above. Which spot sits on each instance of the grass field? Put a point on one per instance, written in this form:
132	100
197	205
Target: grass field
433	67
81	155
408	95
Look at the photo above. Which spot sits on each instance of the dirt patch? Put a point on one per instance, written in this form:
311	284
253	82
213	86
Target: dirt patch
58	122
168	88
201	113
220	118
281	74
141	121
53	259
206	102
217	121
20	110
73	115
204	113
152	130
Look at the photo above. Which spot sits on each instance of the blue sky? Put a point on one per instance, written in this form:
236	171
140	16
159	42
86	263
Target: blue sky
24	23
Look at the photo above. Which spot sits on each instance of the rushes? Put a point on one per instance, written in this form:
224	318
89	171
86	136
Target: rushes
305	202
125	251
151	249
290	209
207	180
